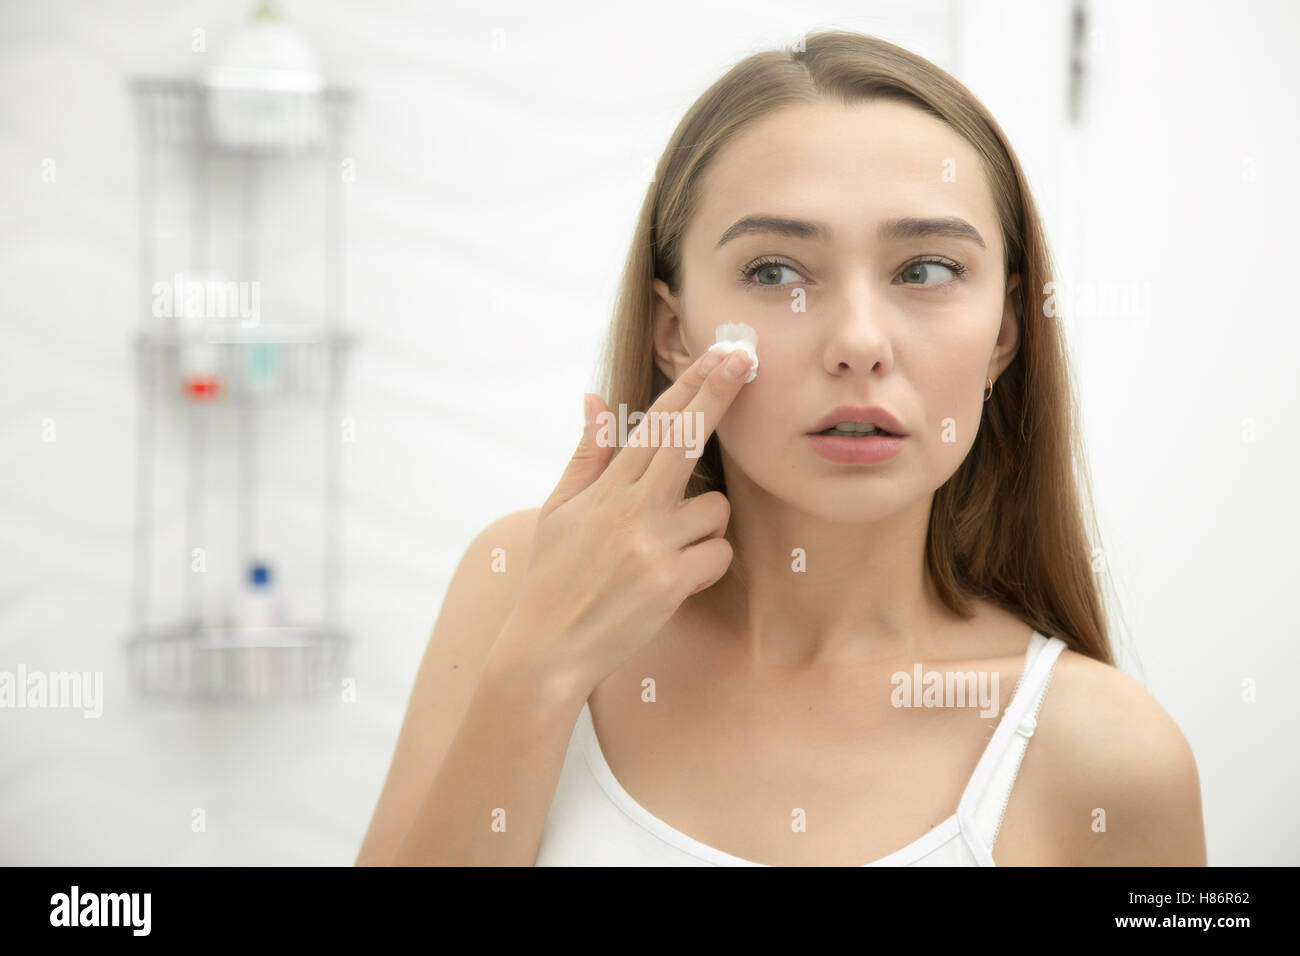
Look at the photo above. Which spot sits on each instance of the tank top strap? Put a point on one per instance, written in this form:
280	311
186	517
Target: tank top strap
984	800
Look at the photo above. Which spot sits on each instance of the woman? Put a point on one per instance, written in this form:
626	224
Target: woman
685	660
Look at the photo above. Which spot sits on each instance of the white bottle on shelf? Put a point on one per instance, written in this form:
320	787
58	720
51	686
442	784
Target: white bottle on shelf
198	357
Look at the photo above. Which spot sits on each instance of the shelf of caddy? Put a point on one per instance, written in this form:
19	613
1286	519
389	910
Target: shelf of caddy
238	664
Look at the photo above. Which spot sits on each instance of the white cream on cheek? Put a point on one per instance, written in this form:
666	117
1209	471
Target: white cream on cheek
735	336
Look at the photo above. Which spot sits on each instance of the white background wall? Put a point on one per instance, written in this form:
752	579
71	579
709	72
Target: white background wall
496	188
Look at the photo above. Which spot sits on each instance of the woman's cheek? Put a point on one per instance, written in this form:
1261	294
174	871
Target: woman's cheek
951	429
739	430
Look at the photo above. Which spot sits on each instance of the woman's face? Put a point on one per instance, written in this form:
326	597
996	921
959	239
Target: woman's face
871	303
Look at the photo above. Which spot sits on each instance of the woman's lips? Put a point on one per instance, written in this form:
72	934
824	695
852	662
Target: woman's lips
862	415
857	451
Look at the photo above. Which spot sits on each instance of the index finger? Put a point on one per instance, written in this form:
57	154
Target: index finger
671	465
632	461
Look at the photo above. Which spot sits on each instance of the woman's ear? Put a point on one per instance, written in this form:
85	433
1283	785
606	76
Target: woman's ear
1009	333
669	334
1011	308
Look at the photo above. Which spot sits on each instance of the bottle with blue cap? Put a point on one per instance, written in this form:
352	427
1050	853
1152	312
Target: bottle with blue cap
261	605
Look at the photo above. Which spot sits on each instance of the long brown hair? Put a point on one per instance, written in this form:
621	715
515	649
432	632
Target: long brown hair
1009	524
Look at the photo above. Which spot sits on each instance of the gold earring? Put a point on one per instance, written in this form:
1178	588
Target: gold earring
989	390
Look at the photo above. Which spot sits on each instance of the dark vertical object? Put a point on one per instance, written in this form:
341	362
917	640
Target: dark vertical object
1078	61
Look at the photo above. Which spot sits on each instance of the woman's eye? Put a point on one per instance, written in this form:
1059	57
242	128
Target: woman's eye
928	273
770	274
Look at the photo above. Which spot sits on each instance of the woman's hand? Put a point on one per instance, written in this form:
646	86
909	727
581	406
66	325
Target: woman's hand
617	549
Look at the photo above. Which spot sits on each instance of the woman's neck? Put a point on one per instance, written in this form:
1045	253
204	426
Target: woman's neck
805	590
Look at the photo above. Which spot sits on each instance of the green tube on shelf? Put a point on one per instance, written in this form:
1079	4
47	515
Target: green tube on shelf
259	363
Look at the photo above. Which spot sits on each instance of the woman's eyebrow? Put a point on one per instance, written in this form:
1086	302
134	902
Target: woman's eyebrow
951	227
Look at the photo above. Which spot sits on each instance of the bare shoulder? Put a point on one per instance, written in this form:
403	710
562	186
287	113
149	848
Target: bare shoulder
480	596
487	581
1115	770
504	545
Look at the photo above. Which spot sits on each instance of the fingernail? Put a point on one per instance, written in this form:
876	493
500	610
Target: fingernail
737	365
586	410
711	360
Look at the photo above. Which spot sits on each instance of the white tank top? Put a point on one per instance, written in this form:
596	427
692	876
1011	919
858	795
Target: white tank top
593	821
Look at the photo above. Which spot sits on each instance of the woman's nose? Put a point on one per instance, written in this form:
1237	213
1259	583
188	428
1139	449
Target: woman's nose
859	333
